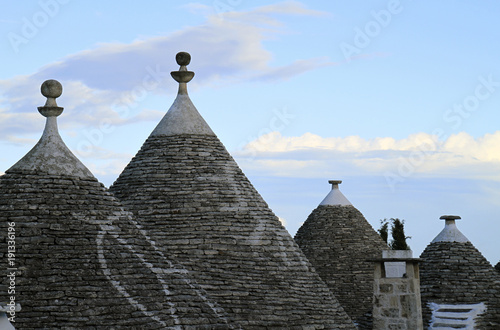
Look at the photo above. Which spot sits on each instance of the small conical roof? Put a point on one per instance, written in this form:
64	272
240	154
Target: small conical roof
79	259
338	241
450	232
191	197
335	196
453	271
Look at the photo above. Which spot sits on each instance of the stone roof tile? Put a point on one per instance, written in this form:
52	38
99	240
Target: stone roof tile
455	272
191	197
51	155
81	261
338	241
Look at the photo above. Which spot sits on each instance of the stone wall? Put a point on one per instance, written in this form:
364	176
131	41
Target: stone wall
397	300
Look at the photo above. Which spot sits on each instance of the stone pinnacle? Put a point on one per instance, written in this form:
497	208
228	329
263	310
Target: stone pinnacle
450	217
51	89
183	75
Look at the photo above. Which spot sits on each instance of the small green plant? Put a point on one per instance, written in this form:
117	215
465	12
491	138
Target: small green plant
384	230
398	241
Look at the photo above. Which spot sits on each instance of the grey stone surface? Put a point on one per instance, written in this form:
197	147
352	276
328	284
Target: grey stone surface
182	118
335	196
195	247
83	263
396	300
51	155
457	273
194	201
51	89
338	241
191	197
450	232
183	58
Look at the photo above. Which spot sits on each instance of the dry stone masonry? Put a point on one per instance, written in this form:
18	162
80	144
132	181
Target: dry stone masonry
396	296
338	241
456	279
182	240
81	260
193	200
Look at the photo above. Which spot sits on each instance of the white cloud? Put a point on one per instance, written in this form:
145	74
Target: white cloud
99	81
105	154
21	141
484	149
282	220
310	155
275	142
112	167
104	163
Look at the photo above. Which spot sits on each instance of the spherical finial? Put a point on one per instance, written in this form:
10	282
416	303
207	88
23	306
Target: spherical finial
183	58
51	89
182	76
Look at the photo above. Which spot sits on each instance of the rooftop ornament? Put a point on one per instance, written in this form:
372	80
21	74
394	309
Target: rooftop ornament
335	197
182	117
51	155
450	233
51	89
335	183
450	217
183	76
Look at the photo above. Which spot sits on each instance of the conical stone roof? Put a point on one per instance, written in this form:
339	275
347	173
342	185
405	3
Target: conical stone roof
191	197
454	272
80	260
338	241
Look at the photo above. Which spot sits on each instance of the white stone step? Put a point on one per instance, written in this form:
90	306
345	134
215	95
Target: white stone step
445	317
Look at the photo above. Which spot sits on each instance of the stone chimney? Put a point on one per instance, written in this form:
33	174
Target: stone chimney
396	297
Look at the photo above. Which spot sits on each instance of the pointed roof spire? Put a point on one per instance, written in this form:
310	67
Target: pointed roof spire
183	76
335	197
182	117
338	241
50	155
454	272
198	206
450	233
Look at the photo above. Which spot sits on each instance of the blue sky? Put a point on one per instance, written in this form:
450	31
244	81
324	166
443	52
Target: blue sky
399	99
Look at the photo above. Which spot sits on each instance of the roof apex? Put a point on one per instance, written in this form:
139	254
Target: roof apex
450	233
335	197
51	155
182	117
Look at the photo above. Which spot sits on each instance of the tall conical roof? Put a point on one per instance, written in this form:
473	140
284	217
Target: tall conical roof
338	241
76	257
192	198
454	272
